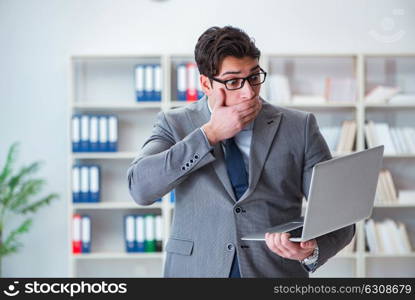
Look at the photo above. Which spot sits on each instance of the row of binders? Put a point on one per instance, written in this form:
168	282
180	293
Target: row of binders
397	140
143	233
148	82
81	234
188	83
340	139
86	183
94	133
387	237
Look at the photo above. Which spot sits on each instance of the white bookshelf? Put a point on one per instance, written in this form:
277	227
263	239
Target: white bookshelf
105	84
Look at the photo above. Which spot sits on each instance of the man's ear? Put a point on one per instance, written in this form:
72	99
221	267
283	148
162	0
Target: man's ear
206	85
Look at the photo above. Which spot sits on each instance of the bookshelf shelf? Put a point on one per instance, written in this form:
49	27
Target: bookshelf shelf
114	255
324	106
176	103
117	106
390	106
306	71
392	256
115	205
105	155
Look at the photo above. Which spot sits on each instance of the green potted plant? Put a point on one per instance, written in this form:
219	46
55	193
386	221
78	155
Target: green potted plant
17	189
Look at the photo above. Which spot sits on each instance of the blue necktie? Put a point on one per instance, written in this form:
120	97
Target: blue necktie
239	180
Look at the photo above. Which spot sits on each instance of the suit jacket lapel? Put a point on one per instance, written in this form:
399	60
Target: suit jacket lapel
201	117
264	131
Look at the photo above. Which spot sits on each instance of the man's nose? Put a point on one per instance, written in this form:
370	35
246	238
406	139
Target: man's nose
247	92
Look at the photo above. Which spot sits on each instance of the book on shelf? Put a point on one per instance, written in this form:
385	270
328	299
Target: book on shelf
148	82
347	137
387	237
385	190
143	233
94	133
86	183
381	94
81	234
397	140
340	89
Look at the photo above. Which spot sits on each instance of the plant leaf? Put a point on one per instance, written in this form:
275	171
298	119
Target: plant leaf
16	180
10	160
33	207
11	245
27	190
7	170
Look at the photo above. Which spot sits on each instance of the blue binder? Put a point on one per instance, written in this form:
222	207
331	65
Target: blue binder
76	184
84	133
86	234
157	82
76	133
103	133
139	82
148	82
94	133
94	183
129	233
139	233
84	195
112	133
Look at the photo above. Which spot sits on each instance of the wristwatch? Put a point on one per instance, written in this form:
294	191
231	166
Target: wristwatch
312	258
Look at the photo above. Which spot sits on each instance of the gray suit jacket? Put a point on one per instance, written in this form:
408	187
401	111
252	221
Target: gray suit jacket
208	222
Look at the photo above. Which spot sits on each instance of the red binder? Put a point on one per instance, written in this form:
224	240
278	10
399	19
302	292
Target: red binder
191	90
76	234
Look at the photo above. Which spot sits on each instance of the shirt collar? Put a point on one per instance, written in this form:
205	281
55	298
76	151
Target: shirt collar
247	127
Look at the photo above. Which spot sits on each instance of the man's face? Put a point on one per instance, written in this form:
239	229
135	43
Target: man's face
230	68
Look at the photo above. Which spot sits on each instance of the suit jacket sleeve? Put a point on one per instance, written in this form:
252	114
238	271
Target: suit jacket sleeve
316	150
164	162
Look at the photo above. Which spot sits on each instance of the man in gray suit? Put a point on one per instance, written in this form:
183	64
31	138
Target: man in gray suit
238	165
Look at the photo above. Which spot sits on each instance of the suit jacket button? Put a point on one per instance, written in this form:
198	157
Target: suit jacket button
230	247
238	209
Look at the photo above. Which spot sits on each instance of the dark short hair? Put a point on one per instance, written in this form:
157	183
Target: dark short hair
217	43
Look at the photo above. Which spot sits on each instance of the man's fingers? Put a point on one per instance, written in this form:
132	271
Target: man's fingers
246	104
283	246
311	244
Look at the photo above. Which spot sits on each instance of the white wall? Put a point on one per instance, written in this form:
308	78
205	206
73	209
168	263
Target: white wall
38	36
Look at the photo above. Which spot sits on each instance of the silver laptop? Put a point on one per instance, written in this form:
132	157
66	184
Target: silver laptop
342	192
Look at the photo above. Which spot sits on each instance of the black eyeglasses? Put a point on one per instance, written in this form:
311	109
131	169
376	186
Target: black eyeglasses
238	83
